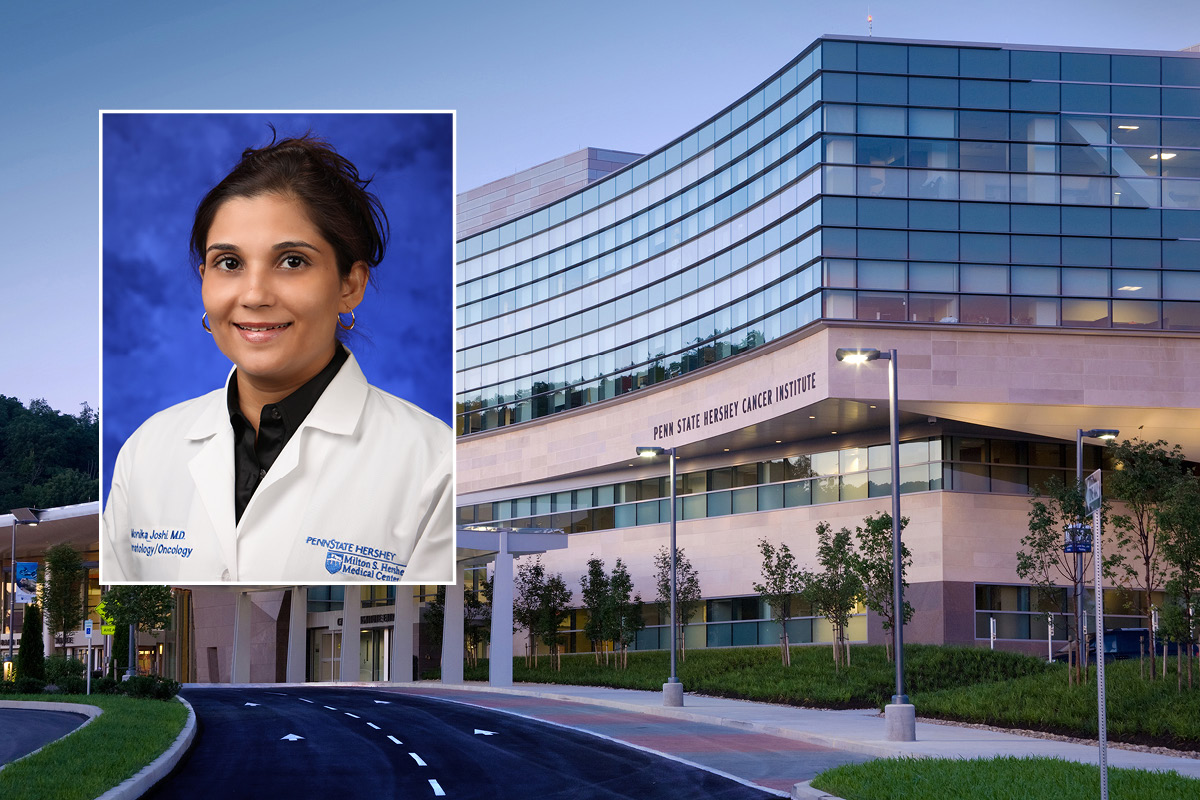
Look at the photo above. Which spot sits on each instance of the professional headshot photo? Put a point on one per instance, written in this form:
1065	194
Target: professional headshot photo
276	347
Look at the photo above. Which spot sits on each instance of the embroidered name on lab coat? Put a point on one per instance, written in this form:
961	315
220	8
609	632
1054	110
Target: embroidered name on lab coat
150	543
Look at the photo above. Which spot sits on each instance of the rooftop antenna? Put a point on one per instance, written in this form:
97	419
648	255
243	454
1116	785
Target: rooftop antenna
870	23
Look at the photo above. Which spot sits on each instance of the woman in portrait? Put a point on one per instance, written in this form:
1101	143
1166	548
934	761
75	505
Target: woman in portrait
297	470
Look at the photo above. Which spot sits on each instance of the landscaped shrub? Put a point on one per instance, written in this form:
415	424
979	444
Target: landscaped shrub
151	687
59	668
73	684
106	686
30	685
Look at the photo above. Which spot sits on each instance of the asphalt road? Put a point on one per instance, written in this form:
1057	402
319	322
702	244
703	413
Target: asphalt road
391	745
22	731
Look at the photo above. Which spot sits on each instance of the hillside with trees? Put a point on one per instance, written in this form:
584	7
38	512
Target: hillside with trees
47	458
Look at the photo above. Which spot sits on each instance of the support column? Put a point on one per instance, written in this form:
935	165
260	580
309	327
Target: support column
351	636
452	631
297	635
402	635
500	663
243	614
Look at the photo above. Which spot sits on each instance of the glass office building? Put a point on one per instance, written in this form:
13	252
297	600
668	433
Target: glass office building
1022	223
922	183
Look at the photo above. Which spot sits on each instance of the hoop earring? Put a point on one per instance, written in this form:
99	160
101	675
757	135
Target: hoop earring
204	322
353	322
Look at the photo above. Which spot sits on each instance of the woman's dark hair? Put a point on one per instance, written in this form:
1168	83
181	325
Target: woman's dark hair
328	186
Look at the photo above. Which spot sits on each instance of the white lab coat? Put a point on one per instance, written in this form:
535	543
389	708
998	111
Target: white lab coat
363	491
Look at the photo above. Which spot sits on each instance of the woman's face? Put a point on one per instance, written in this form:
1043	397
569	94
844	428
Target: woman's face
272	291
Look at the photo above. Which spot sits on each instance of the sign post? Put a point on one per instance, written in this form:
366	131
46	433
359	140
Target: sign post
1092	498
87	629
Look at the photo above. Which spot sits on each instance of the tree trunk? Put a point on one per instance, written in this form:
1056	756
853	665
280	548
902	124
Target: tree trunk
1178	671
682	645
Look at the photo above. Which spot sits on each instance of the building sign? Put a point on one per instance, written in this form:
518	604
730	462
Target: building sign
371	619
26	582
740	405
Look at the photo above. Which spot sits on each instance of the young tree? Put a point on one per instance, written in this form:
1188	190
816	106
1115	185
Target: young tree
529	584
834	591
625	616
144	608
434	617
1179	524
594	593
1144	478
783	580
873	565
687	591
1042	560
31	655
478	618
62	591
553	609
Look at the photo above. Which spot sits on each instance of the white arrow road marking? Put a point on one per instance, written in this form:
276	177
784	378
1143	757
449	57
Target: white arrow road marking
291	737
384	702
306	701
394	739
331	708
373	725
348	714
417	759
437	788
479	732
255	705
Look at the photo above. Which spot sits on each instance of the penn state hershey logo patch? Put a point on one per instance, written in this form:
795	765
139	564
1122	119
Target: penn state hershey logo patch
348	558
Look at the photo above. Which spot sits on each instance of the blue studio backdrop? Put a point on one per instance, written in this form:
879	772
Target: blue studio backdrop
156	169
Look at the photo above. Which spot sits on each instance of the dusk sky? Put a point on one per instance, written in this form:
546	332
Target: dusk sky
530	81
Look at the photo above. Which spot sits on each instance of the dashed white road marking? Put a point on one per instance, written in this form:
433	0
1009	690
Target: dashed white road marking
373	725
306	701
348	714
437	788
417	759
394	739
331	708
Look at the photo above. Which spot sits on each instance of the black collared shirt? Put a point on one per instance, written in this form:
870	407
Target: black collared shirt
252	457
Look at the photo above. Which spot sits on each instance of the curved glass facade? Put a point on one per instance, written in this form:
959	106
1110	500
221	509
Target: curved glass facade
917	183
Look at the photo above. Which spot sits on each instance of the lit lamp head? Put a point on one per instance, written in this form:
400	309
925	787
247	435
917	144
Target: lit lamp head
650	452
856	355
1107	434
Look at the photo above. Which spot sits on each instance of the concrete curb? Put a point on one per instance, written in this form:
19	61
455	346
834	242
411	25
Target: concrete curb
156	770
91	712
805	791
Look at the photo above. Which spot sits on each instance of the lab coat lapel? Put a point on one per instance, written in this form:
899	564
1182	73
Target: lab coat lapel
212	472
337	411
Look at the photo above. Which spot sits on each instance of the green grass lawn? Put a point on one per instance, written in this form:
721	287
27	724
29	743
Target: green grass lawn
956	683
1004	778
126	737
755	673
1140	711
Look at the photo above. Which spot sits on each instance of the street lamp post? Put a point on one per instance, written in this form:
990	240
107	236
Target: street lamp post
21	516
672	689
900	715
1107	434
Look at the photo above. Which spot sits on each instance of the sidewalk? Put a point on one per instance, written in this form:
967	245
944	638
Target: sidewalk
856	731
